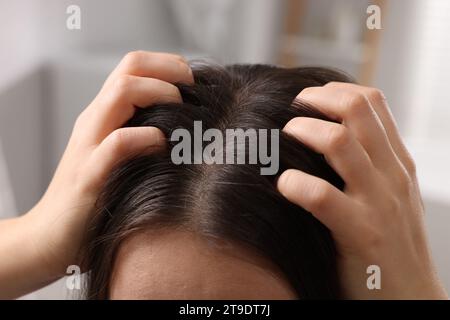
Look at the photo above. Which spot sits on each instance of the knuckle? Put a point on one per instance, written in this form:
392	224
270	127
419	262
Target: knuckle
412	168
373	239
80	119
403	180
375	94
338	137
333	84
393	206
356	104
122	84
320	195
410	165
164	91
118	142
132	60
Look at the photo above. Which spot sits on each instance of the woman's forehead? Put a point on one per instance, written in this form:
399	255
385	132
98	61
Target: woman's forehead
173	264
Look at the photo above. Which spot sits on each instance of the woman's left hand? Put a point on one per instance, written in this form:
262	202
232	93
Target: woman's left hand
378	218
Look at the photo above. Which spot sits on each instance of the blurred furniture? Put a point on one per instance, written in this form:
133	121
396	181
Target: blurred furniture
322	32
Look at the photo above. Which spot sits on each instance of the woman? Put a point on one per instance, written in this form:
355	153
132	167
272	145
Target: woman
376	219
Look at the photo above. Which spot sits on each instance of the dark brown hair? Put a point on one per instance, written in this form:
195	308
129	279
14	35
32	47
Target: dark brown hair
231	202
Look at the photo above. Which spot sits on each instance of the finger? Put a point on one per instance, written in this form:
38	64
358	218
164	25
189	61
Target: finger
354	111
327	203
115	107
123	144
339	146
379	103
164	66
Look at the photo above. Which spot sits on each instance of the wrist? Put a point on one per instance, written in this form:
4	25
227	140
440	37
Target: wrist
42	249
23	268
59	225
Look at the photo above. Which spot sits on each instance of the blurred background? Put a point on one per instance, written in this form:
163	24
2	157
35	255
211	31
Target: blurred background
49	73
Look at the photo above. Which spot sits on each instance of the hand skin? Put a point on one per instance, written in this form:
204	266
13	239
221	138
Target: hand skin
379	217
37	248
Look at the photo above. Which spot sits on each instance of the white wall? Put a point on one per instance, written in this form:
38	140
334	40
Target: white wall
21	131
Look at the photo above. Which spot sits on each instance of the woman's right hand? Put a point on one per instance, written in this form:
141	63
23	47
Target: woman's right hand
38	247
99	142
378	218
